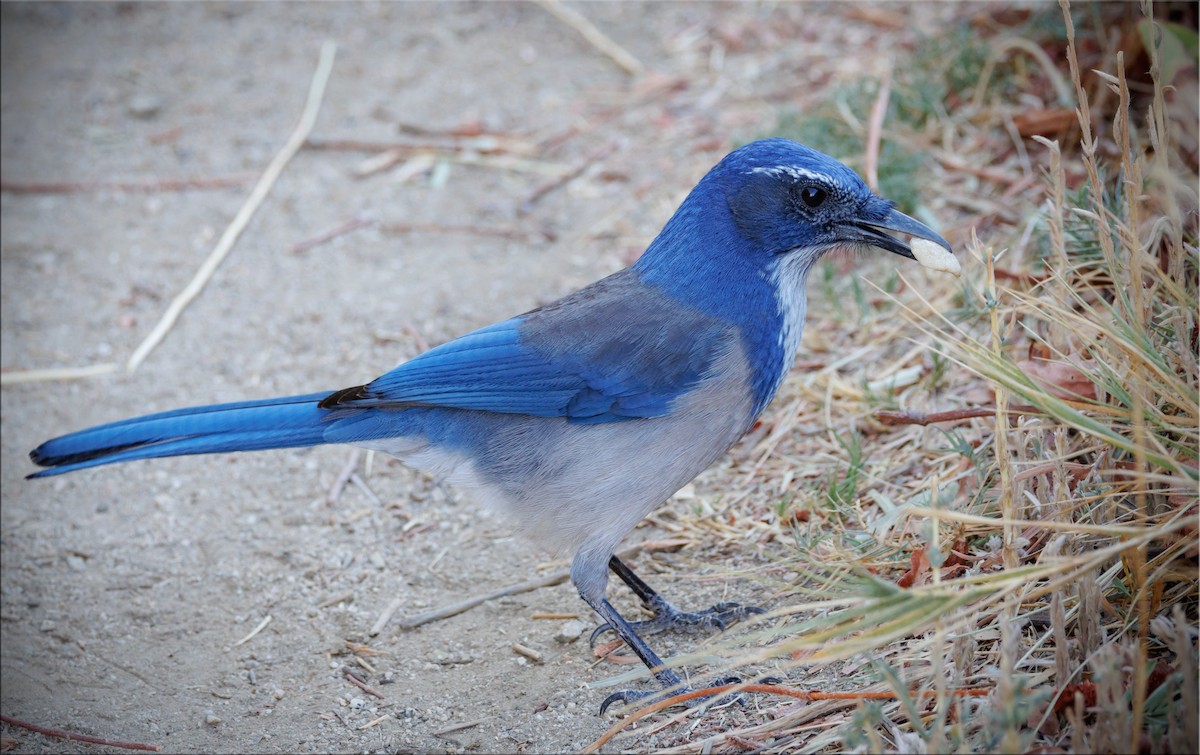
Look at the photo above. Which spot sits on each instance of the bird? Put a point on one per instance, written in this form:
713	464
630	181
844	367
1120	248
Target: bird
580	417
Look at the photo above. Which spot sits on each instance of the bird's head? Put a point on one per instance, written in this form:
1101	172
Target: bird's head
742	244
775	199
785	197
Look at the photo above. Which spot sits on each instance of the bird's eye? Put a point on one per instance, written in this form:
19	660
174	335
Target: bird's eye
812	197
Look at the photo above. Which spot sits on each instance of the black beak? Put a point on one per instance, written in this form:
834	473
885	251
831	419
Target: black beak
871	232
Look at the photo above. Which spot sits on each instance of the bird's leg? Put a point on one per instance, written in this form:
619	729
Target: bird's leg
667	616
670	681
665	676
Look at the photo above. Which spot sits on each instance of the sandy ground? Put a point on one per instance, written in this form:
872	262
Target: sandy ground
126	588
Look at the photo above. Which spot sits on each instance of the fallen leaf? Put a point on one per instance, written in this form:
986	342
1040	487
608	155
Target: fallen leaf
1066	698
1047	122
1060	379
915	573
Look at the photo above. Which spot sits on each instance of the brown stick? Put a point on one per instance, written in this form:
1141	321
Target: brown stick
459	727
353	224
416	620
594	36
527	203
481	144
59	733
360	684
147	187
335	490
875	130
769	689
911	417
472	230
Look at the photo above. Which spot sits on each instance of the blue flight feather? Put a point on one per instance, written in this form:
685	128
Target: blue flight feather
641	353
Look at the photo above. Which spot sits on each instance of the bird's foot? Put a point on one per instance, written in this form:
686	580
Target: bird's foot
668	617
632	696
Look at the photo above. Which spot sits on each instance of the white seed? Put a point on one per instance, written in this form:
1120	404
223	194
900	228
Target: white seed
935	257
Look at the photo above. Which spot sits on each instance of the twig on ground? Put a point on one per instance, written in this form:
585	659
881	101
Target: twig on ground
366	489
768	689
459	727
360	649
528	652
913	417
386	616
12	377
959	165
335	490
472	128
376	722
363	145
594	36
353	224
875	130
342	597
363	662
242	219
261	626
418	339
361	684
471	230
454	609
385	161
148	186
479	144
445	612
60	734
526	204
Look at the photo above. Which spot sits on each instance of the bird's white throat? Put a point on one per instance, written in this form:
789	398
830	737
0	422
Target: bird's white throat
789	276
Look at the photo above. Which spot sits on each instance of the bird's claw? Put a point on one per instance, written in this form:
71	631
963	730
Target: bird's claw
631	696
668	617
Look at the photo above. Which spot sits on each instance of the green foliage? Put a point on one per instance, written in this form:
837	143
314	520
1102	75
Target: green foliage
861	732
937	371
840	491
900	169
944	69
958	444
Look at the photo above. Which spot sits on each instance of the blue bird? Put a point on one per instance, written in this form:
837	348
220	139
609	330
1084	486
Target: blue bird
580	417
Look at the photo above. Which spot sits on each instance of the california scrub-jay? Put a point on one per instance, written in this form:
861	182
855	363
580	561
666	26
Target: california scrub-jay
580	417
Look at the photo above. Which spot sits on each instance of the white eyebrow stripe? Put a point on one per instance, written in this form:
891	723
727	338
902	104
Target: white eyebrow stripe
792	171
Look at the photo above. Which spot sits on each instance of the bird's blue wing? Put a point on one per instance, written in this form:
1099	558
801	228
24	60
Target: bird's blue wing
615	350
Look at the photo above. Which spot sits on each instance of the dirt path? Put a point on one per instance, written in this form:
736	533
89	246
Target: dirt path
125	589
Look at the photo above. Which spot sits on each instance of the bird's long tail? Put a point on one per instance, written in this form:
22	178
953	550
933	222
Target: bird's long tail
287	422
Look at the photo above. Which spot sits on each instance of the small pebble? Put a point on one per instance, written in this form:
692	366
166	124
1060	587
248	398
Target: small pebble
570	631
144	106
211	718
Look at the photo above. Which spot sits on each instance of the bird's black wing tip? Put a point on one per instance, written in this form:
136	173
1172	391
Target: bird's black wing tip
345	395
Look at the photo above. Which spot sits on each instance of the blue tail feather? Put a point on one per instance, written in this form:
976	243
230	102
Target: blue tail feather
287	422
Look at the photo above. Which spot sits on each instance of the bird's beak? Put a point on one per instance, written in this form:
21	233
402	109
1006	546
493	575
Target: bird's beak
872	232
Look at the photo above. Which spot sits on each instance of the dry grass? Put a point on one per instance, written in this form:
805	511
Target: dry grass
1046	552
